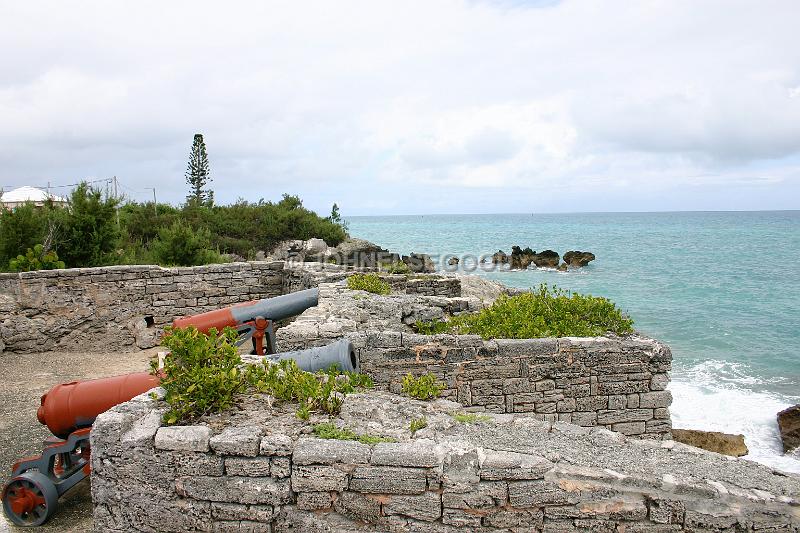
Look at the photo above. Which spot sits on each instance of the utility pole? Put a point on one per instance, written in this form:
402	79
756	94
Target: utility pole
116	198
155	202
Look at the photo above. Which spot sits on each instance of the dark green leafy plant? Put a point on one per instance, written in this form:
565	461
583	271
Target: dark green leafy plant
545	312
425	387
36	259
201	374
397	267
180	245
368	282
328	430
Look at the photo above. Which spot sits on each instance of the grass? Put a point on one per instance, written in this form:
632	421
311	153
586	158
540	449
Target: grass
417	424
328	430
470	418
368	282
545	312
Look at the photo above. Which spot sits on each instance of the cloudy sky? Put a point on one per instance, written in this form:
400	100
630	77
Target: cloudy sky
412	107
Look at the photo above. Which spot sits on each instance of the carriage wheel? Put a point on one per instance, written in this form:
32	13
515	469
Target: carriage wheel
30	499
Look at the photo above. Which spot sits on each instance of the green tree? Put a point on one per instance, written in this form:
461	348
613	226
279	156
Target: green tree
198	174
89	229
180	245
21	228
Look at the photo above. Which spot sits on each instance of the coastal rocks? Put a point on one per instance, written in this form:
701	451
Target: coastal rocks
452	261
789	425
713	441
499	258
576	259
419	263
299	250
522	259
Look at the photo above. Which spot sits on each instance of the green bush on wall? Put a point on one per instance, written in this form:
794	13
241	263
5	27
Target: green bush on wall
368	282
545	312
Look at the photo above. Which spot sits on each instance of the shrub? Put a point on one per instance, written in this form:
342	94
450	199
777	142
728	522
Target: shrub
90	234
180	245
545	312
417	424
36	259
368	282
203	373
469	418
20	229
425	387
398	267
329	430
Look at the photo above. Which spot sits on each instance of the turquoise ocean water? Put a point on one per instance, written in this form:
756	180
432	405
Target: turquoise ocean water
721	288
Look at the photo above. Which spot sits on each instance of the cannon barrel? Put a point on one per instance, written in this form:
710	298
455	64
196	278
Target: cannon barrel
74	405
339	353
277	308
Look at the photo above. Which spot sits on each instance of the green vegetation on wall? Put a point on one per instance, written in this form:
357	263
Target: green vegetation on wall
368	282
545	312
203	373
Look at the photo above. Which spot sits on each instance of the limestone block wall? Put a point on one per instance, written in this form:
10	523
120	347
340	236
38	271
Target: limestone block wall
508	474
121	307
617	383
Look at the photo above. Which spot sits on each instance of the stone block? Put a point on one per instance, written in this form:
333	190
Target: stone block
591	403
329	451
538	493
624	415
581	418
314	501
237	441
358	506
238	511
280	466
426	506
498	465
515	519
566	406
318	478
655	399
659	381
183	438
388	479
461	519
417	453
247	466
617	402
235	489
527	347
629	428
276	445
663	511
482	495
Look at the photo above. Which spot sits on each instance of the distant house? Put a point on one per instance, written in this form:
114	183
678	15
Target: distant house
21	195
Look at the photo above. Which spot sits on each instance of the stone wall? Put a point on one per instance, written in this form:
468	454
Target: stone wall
122	307
263	471
617	383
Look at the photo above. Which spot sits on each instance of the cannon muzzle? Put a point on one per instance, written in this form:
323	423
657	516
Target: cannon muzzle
339	353
74	405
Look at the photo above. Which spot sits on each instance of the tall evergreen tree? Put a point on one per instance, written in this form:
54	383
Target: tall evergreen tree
198	174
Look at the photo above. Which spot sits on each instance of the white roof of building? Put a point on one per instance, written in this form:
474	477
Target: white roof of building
28	194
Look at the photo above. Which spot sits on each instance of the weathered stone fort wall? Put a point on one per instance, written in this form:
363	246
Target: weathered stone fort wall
619	384
123	308
263	471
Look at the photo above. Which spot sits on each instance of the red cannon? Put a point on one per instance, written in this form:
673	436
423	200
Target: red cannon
68	410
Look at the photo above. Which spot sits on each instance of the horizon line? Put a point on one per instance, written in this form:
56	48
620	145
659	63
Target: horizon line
585	212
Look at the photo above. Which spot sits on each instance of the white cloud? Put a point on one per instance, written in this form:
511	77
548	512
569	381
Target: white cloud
346	101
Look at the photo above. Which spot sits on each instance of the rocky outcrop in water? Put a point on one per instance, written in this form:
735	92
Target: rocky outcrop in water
713	441
523	258
419	263
789	425
499	258
576	259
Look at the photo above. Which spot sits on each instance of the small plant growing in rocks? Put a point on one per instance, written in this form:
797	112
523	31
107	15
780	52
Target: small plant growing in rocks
328	430
203	373
397	267
368	282
470	418
544	312
425	387
417	424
